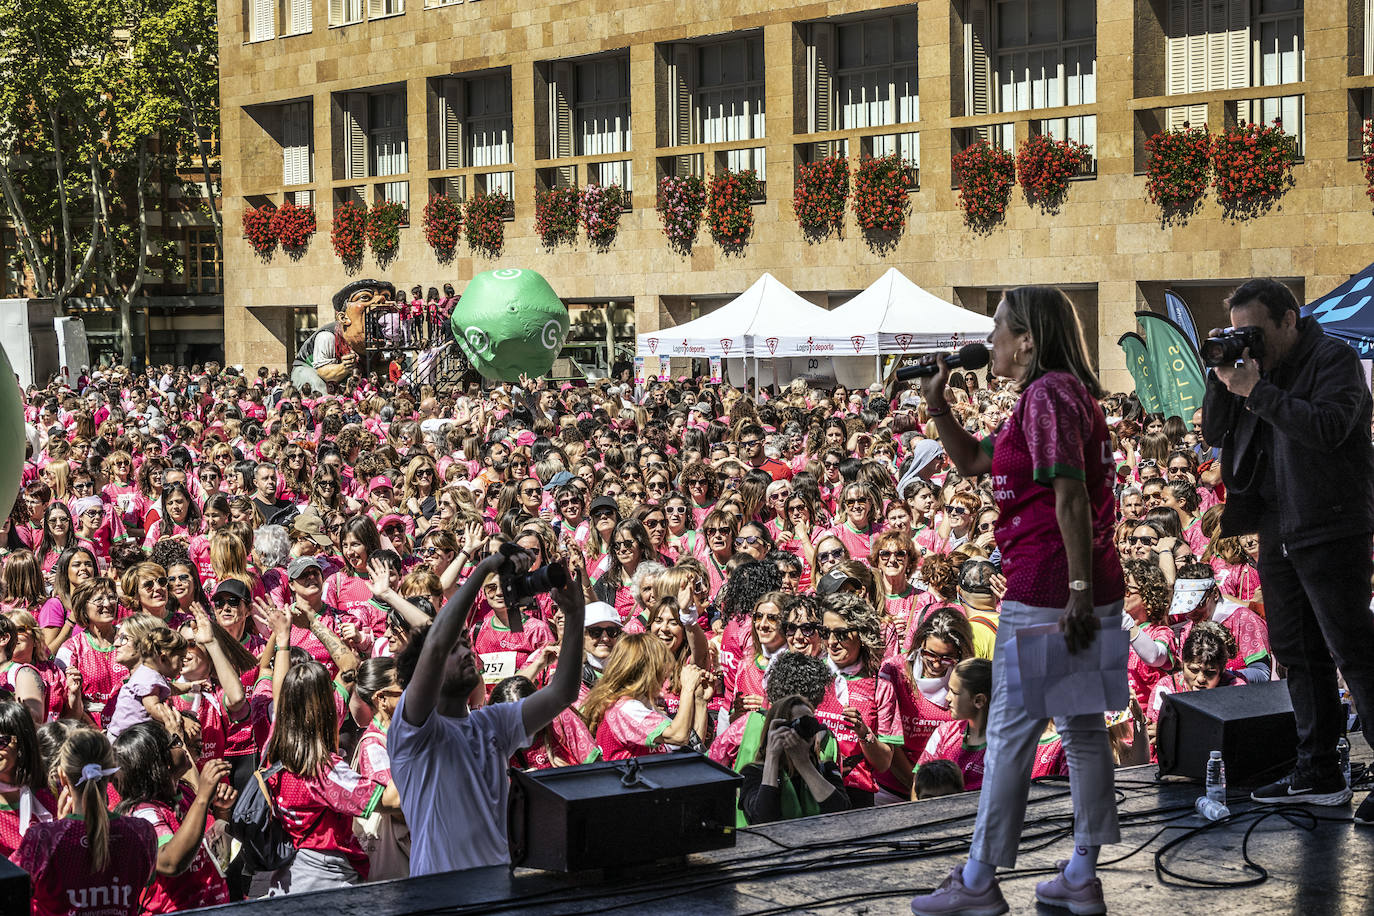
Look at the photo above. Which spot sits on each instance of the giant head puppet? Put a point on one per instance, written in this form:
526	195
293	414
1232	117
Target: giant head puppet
352	305
510	323
11	432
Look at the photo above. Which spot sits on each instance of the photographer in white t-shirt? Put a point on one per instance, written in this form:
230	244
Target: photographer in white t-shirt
450	763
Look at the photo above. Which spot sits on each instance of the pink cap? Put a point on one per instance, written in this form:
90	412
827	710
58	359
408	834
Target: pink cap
391	519
380	481
526	437
566	386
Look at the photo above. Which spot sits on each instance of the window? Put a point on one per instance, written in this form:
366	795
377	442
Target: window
730	91
379	8
1232	44
298	17
386	129
203	267
296	131
1046	54
589	107
489	121
261	20
345	12
874	67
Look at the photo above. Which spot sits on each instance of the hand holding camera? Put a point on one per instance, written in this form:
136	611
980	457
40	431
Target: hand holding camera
1234	354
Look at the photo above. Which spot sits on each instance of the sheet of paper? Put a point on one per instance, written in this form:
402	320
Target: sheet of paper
1054	682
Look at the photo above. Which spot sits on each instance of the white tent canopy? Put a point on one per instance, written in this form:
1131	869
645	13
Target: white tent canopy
749	324
892	316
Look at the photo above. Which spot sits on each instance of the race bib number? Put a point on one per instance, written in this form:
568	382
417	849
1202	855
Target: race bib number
497	666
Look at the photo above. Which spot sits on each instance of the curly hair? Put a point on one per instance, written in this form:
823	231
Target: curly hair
746	586
1155	592
795	673
1209	643
941	574
859	614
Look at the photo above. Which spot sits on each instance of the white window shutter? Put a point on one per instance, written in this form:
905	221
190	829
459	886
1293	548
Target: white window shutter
562	91
261	20
978	59
682	114
1237	44
820	78
300	16
296	128
451	125
336	12
376	8
1368	37
355	135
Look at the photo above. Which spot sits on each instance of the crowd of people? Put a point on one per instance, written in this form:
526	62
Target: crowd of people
213	576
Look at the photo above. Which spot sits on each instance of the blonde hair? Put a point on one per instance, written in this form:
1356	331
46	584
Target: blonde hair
229	557
637	668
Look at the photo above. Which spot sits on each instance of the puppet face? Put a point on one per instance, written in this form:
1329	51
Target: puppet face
510	322
351	322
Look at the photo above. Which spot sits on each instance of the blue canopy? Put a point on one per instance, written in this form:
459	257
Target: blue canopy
1347	312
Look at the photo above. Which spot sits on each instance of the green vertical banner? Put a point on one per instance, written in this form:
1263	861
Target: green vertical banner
1175	364
1138	364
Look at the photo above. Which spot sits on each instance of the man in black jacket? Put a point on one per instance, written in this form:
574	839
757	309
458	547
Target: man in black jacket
1294	429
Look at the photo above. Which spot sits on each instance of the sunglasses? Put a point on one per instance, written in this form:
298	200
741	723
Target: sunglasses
759	618
839	634
937	659
626	545
890	554
652	523
714	530
7	741
603	632
958	510
83	485
833	465
750	539
748	443
696	483
603	513
658	487
861	501
149	584
424	472
830	555
529	491
184	577
675	510
1143	539
227	601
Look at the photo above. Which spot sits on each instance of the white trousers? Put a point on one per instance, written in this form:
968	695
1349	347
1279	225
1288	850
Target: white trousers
1012	737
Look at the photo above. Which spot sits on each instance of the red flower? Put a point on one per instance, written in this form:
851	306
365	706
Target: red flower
443	220
257	228
986	175
729	209
880	193
820	194
349	232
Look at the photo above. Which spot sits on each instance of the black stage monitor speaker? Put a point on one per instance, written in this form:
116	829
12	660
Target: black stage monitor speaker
622	812
14	889
1252	726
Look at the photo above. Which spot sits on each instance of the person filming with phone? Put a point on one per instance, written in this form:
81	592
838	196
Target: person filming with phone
1290	409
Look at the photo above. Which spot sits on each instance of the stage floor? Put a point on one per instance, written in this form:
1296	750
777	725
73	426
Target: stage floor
871	862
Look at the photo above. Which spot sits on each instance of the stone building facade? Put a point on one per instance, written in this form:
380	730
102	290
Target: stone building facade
327	100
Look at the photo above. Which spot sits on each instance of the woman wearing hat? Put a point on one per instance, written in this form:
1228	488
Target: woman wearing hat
1053	473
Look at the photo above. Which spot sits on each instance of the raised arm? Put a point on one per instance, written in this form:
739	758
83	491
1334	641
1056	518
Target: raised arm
423	690
547	702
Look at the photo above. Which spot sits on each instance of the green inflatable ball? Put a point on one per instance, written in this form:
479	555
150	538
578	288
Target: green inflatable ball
11	432
510	323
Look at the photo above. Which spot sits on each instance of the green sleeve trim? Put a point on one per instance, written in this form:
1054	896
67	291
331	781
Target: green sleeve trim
1251	659
1045	475
164	840
374	801
895	740
594	756
653	740
986	444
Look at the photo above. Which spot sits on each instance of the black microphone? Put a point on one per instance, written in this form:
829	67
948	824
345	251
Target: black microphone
970	356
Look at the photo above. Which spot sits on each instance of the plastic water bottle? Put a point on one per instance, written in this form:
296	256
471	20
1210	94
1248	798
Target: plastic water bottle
1216	778
1212	810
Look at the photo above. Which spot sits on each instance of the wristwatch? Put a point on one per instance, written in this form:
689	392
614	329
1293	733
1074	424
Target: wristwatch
1080	585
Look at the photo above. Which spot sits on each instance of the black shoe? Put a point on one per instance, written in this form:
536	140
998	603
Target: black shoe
1365	813
1298	789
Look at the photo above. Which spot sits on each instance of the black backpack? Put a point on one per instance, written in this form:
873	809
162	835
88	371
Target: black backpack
256	823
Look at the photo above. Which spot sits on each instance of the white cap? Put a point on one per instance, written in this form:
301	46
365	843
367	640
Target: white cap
600	613
1188	594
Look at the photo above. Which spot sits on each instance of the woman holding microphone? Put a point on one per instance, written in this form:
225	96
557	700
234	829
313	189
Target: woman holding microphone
1052	470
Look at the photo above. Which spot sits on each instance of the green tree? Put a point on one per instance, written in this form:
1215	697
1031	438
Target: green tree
104	101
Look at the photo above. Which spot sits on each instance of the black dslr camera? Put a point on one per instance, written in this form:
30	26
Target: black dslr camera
519	587
806	727
1226	348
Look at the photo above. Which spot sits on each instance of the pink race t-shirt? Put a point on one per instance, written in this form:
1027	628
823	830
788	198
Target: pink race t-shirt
947	743
1056	430
58	862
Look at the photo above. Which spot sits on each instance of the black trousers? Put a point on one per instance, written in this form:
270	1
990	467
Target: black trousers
1316	603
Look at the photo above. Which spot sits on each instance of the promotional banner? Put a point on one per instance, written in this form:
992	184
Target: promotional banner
1176	367
639	369
1181	315
1138	364
715	370
1345	313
